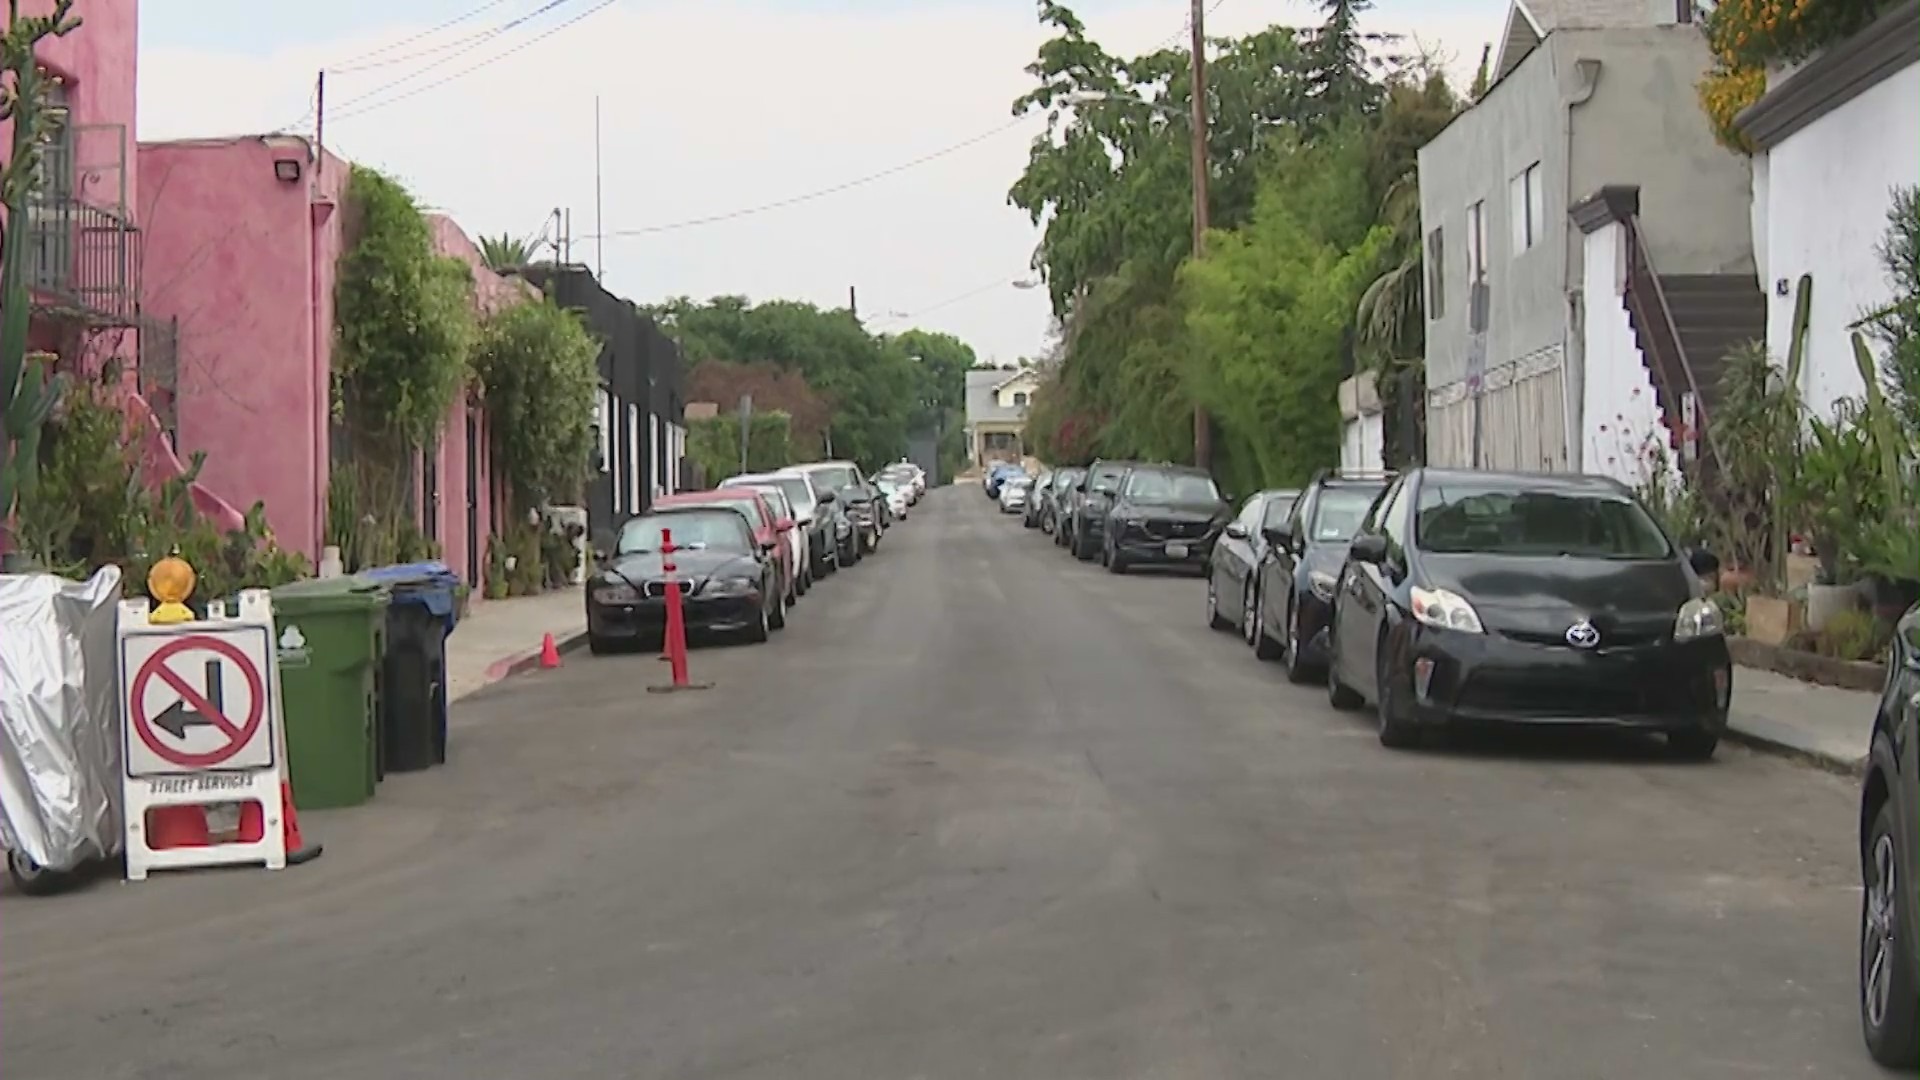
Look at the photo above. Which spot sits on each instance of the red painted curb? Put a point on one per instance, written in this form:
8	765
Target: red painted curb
522	662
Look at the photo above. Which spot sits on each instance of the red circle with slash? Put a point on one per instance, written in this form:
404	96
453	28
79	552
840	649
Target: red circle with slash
238	735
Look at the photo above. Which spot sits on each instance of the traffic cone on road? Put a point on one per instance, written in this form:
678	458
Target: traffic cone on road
298	850
549	653
177	827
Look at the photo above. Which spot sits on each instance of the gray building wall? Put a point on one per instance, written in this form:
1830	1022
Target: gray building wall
1593	107
1643	125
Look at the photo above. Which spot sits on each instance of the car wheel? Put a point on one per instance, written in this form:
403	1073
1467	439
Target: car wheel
1264	647
1214	619
1692	745
1247	614
33	879
1889	1009
762	630
1396	731
1116	562
1082	552
1297	669
598	645
777	619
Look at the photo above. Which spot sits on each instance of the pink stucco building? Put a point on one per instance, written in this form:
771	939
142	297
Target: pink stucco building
243	240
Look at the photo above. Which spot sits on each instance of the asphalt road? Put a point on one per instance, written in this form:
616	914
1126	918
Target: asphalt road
981	811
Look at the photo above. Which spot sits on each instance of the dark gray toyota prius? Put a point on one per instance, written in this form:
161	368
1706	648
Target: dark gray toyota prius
1512	598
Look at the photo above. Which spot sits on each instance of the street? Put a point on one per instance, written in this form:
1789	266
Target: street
982	811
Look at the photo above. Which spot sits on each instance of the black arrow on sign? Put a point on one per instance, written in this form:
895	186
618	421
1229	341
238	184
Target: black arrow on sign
176	718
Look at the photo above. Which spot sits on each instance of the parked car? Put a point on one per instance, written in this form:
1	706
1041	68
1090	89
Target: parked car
1013	493
1510	598
1233	571
1053	506
1092	499
1890	903
796	538
898	493
856	499
823	521
729	581
998	474
1305	551
1163	515
769	530
1036	498
914	475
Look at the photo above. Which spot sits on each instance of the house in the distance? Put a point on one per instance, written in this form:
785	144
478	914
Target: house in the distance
997	401
1544	341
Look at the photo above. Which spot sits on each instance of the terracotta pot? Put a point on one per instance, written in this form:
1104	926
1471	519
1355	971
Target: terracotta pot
1735	578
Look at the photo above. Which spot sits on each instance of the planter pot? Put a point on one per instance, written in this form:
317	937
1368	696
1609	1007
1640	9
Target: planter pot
1771	620
1826	601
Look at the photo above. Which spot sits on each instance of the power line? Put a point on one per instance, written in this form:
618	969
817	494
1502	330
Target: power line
483	36
1186	27
429	32
1002	282
409	57
471	68
781	204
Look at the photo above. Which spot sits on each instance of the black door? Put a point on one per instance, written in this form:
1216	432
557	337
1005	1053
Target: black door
430	491
473	500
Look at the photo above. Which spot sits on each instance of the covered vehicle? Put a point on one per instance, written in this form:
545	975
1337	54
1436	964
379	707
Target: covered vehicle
1305	551
769	530
1163	515
1514	598
729	582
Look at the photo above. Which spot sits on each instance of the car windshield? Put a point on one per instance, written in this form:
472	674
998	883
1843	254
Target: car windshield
796	492
1153	486
1340	511
714	530
1279	509
1106	476
776	498
835	477
1493	519
1019	482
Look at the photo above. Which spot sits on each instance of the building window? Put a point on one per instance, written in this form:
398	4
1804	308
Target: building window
1019	399
1526	204
1477	243
1436	275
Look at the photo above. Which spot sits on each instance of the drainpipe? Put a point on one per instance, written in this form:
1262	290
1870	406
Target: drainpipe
1573	352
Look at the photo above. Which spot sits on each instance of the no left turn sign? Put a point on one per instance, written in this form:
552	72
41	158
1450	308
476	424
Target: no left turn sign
199	701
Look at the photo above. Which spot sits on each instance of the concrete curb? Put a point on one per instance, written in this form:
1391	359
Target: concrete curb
522	662
1851	767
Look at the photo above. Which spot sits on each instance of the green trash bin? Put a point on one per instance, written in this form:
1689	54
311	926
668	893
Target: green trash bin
332	641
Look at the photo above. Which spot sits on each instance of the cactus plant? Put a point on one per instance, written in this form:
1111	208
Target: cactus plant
29	389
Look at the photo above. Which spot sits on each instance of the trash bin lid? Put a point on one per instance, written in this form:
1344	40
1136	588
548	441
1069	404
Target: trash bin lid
429	584
316	595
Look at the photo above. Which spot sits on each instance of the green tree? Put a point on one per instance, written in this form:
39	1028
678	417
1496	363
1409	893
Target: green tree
538	367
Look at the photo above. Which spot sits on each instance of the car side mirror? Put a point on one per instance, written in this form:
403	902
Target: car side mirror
1237	531
1278	536
599	554
783	525
1369	548
1705	563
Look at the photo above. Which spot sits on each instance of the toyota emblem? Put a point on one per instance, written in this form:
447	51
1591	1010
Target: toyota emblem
1583	635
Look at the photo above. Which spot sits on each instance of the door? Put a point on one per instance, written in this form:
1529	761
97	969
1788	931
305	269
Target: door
1278	568
1358	598
1233	559
473	499
430	491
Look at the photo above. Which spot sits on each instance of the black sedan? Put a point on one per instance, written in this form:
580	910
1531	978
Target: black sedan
1163	515
1495	598
1231	583
728	584
1294	585
1889	808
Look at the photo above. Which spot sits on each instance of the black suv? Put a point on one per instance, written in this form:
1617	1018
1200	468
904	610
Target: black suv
1163	515
1294	582
1092	498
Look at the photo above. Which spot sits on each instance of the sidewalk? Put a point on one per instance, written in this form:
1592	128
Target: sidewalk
1829	727
502	637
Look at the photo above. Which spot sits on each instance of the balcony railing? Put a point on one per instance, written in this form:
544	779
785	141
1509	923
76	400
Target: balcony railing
83	261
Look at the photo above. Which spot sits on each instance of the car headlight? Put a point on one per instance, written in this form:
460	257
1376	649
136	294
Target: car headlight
1322	584
1698	618
615	593
1446	610
733	586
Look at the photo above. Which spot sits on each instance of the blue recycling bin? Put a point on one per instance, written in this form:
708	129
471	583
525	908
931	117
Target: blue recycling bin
421	614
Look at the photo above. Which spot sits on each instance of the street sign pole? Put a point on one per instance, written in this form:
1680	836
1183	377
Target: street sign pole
746	429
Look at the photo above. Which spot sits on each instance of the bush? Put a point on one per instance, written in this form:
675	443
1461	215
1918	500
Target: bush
539	370
714	443
1852	635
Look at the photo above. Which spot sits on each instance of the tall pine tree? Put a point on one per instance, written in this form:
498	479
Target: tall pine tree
1342	63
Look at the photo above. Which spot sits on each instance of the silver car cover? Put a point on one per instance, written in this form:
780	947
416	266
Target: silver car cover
59	708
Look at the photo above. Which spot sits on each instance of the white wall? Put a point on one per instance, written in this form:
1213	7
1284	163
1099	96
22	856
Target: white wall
1361	444
1621	415
1025	384
1826	190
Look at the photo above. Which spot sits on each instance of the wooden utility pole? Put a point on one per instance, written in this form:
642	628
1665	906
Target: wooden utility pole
1202	426
599	225
320	122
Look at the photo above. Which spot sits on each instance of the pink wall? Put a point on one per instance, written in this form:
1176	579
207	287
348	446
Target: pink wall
244	261
99	62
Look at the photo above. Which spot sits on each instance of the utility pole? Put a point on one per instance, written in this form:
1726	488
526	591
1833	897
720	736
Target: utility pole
320	122
853	302
1202	426
599	222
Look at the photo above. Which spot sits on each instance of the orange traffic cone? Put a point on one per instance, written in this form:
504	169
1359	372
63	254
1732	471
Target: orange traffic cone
298	850
549	653
177	827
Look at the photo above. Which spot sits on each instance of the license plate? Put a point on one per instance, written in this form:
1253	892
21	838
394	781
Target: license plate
1176	551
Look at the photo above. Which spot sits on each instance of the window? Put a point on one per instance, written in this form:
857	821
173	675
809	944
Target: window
1436	275
1477	243
1492	518
1019	399
1151	486
1279	509
1250	513
1340	510
1526	203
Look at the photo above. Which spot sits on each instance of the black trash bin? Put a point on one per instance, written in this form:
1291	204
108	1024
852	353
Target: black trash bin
413	701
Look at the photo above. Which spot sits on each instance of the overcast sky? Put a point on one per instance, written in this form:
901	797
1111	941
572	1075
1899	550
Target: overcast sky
708	108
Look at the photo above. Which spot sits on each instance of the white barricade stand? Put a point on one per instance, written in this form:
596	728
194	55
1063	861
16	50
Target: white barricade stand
201	715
